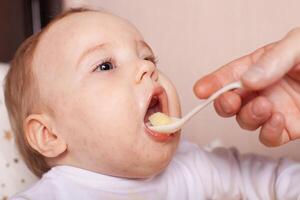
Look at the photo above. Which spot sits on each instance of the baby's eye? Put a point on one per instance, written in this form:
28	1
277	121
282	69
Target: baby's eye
104	66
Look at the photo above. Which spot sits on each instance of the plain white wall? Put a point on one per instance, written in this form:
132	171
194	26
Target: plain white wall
194	37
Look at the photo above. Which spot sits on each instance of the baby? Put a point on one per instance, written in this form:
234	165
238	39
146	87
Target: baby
79	94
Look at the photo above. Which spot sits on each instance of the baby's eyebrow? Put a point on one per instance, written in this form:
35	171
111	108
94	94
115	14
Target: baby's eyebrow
90	50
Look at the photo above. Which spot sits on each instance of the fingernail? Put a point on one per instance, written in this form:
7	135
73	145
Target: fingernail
254	74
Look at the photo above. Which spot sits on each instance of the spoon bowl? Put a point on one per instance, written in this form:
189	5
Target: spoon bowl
178	123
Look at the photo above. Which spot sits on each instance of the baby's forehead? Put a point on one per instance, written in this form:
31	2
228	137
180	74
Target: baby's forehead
84	25
78	22
67	37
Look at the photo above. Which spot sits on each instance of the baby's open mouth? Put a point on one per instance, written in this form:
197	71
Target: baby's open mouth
154	106
158	103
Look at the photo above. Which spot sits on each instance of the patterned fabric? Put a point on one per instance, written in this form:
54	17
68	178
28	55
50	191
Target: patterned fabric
14	175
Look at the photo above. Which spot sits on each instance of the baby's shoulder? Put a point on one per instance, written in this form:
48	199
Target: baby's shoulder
42	189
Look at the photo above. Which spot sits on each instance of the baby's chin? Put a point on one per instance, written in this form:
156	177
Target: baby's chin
148	163
164	156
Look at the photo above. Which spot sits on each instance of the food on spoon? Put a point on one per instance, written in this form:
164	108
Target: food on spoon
158	119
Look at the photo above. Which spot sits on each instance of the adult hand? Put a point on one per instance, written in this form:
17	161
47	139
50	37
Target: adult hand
271	100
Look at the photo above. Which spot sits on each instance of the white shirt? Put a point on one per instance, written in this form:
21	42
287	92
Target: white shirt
193	174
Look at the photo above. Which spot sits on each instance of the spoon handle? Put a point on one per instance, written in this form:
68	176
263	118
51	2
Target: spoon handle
215	95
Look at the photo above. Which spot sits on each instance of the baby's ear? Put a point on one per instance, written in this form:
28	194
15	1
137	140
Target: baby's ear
41	137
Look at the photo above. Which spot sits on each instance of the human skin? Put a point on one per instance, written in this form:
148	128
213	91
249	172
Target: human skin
97	116
271	101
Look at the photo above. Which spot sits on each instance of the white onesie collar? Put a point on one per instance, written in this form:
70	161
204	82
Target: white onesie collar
93	179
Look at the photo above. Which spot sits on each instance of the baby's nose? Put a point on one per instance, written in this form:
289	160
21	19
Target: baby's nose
146	69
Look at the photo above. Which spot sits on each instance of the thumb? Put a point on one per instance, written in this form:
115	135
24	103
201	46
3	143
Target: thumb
274	63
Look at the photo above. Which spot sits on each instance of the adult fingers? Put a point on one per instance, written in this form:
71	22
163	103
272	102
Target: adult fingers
254	113
231	72
274	63
273	132
228	104
228	73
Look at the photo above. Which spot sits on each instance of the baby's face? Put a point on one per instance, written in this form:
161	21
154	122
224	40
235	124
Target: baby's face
98	76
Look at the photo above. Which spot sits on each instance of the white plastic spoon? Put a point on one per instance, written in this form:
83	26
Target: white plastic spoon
177	123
